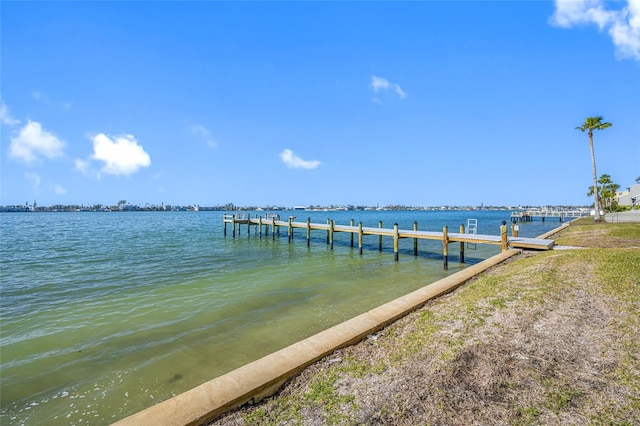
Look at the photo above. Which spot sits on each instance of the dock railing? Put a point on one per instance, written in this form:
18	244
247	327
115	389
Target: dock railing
632	216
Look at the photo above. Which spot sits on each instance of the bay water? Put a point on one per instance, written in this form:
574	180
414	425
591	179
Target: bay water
103	314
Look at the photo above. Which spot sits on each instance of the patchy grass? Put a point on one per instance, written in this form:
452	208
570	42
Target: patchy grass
587	233
548	338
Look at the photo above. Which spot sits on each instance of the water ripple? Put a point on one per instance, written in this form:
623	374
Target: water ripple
104	314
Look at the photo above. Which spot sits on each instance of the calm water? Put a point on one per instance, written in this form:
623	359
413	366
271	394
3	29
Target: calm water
104	314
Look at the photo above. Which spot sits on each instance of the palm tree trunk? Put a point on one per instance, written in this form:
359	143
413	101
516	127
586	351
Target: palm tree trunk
596	204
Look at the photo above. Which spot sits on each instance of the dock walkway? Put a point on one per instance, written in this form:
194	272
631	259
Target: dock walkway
274	223
529	215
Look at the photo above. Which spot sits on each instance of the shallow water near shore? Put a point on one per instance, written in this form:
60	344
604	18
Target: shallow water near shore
105	314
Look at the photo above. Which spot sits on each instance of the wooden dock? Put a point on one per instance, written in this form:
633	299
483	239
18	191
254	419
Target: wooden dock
274	223
529	215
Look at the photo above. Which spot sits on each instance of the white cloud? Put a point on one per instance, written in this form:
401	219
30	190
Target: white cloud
34	178
379	83
203	133
59	190
293	161
5	116
623	25
33	141
121	155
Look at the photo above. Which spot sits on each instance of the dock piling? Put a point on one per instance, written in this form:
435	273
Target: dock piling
308	231
461	244
445	247
380	237
273	228
360	237
504	242
415	240
351	224
328	223
331	227
396	237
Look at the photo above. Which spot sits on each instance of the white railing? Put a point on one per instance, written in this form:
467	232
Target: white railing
632	216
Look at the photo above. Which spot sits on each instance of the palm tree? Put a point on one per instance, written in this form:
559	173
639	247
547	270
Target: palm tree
591	124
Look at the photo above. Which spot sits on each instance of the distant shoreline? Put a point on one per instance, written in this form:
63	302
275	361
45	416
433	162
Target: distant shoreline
196	208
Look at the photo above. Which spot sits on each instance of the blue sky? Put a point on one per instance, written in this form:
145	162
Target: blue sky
300	103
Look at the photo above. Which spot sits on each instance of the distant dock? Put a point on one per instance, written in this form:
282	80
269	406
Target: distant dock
529	215
273	223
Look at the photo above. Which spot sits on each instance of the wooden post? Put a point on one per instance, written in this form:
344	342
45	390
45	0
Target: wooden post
461	244
415	240
445	247
273	228
233	223
255	227
328	223
290	229
380	237
331	225
351	224
360	236
504	243
224	224
395	241
260	226
308	231
248	224
514	230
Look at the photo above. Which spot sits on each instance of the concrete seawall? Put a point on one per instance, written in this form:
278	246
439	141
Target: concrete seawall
263	377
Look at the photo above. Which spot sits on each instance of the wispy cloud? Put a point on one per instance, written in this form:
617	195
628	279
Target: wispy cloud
33	142
83	167
203	133
623	25
120	155
293	161
379	84
34	178
38	95
59	190
42	97
5	116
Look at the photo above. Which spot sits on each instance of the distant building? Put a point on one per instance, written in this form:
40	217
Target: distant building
630	197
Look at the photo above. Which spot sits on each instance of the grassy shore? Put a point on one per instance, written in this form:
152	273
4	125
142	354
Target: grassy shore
545	338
